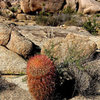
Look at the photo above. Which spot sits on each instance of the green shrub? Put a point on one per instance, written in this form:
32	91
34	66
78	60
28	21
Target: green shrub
58	18
49	53
46	20
68	10
74	21
13	9
91	26
51	20
97	15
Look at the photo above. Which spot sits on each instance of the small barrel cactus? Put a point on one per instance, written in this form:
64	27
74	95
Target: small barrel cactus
41	77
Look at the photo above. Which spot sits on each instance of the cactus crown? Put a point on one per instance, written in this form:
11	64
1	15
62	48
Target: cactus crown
39	65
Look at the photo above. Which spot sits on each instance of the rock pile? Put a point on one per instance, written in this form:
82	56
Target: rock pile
19	42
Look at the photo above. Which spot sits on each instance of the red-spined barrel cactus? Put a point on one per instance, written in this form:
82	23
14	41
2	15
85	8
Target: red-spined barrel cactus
41	77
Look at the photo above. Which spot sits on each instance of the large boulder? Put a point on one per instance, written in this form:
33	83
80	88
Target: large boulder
11	63
84	6
73	47
88	6
4	34
35	5
20	44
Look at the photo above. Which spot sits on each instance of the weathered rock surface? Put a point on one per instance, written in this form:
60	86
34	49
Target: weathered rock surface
10	91
7	13
21	17
93	68
71	3
18	80
4	4
73	45
11	63
19	44
36	5
39	34
83	98
4	34
96	39
84	6
89	78
88	6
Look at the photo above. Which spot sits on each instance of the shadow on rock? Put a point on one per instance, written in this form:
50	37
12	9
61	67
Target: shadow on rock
36	50
4	85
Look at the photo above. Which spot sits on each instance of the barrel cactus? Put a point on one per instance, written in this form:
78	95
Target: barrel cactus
41	77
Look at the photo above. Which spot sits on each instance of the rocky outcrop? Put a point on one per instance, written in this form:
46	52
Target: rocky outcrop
20	44
36	5
40	34
82	6
76	46
11	63
68	43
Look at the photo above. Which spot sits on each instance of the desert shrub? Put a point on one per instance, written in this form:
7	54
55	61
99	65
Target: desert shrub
97	15
91	26
68	10
73	68
76	20
48	19
52	20
14	8
49	53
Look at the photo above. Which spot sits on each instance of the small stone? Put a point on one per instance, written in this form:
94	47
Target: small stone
21	17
